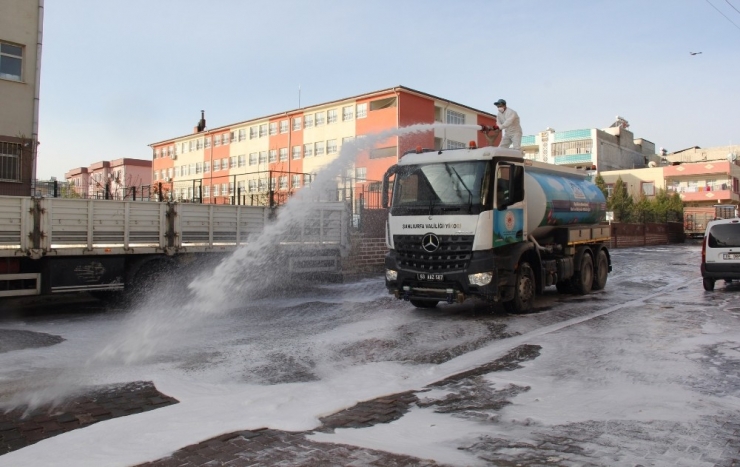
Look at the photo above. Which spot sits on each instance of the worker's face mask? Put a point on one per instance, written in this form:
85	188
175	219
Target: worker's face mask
501	109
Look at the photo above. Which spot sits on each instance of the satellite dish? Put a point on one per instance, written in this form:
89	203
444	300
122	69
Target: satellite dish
652	164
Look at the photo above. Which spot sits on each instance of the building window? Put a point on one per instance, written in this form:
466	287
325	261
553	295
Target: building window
308	121
283	182
362	110
380	104
198	144
296	181
331	146
283	126
455	118
273	155
242	134
242	160
648	188
296	152
253	158
252	185
224	188
320	118
224	163
380	153
216	190
306	180
207	191
262	184
232	162
319	148
206	167
331	116
273	183
225	139
347	113
217	165
263	157
568	148
207	142
361	174
263	130
11	61
155	175
455	144
273	128
217	141
198	168
283	154
231	188
307	150
171	172
190	146
191	169
297	124
233	136
253	132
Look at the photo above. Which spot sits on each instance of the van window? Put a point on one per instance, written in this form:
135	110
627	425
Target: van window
724	236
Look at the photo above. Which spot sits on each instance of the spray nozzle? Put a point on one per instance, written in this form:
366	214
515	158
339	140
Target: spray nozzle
488	128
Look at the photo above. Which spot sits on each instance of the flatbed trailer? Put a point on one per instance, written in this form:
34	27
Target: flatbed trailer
56	245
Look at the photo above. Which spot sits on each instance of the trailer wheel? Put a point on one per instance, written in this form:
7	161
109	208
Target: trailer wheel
424	303
524	291
584	279
602	270
708	284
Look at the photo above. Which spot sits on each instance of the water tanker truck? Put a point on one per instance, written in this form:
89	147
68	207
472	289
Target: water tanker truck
485	223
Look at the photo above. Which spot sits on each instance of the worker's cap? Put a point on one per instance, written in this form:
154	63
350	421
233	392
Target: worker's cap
500	103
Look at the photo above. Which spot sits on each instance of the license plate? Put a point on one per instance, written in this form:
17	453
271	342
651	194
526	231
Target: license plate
731	256
430	277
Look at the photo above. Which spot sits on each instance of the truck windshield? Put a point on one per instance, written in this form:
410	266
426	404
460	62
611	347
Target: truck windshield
443	184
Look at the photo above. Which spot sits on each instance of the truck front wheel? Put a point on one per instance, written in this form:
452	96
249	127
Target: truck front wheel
584	278
524	291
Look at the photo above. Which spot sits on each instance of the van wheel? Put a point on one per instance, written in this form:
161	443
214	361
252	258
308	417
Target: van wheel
524	291
708	285
424	303
602	271
584	279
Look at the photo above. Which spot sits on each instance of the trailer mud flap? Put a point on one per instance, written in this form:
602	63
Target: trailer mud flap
85	274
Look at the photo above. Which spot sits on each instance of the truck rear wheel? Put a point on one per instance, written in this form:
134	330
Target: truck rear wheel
524	291
424	303
602	270
708	284
583	280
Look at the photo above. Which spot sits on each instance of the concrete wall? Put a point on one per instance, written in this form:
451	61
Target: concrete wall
635	178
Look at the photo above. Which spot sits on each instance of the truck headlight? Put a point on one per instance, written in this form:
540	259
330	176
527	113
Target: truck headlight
482	278
391	275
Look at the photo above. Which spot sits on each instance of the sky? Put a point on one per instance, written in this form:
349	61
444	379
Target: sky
120	75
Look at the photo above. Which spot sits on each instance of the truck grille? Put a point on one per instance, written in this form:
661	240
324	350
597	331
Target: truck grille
453	254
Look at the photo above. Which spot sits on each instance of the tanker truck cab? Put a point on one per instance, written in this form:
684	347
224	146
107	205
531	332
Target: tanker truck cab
461	224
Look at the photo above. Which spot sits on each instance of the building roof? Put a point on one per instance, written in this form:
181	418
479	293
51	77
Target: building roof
301	109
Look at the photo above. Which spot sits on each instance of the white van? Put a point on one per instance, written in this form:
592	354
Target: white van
720	252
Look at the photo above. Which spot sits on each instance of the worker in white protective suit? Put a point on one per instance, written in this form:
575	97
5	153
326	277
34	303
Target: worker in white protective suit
508	121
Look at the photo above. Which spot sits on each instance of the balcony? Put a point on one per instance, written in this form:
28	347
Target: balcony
697	168
708	193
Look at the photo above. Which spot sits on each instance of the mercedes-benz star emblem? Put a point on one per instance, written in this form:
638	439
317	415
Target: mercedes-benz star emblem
430	243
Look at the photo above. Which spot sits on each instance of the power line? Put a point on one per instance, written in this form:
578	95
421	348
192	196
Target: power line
733	6
720	12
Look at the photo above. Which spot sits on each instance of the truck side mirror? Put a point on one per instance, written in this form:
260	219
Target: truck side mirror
386	183
509	185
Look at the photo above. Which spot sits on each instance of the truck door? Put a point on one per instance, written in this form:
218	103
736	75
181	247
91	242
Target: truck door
508	214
